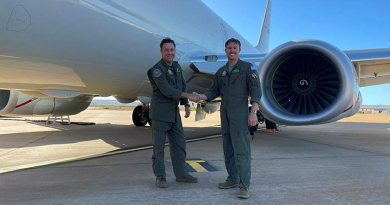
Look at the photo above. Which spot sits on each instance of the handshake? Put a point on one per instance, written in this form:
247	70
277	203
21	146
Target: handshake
195	97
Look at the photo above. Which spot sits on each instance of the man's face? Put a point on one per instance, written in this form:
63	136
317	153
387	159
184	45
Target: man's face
232	50
168	52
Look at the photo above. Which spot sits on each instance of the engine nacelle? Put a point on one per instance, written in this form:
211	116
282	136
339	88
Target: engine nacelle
308	82
211	107
15	103
203	109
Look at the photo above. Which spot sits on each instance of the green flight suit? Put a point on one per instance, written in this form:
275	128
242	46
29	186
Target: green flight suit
168	84
234	89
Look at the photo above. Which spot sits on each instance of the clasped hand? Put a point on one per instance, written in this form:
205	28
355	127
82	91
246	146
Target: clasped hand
194	97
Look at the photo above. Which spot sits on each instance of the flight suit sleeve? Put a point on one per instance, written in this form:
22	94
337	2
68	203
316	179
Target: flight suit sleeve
183	101
163	85
214	91
254	84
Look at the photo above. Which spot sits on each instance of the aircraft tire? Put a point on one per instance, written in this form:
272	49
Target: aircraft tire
138	119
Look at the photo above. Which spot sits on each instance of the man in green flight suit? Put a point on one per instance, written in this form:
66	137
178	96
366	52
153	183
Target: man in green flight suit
169	88
235	82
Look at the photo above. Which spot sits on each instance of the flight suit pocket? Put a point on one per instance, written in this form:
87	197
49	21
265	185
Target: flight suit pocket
171	80
160	125
241	87
243	144
239	83
223	81
179	82
254	78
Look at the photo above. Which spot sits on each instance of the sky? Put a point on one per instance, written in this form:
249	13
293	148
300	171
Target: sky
347	24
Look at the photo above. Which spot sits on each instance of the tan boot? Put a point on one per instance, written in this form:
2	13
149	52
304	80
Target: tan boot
188	179
243	193
228	184
161	183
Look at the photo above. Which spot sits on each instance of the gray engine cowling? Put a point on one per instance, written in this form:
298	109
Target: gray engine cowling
306	82
15	103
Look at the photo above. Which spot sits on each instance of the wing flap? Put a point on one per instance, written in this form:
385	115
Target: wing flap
372	65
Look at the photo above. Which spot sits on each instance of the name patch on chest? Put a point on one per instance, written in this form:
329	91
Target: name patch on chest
235	71
223	73
170	72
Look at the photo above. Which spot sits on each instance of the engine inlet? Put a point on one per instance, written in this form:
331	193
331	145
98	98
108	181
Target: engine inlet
305	83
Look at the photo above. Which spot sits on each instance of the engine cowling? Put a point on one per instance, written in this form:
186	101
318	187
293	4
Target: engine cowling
15	103
203	109
211	107
308	82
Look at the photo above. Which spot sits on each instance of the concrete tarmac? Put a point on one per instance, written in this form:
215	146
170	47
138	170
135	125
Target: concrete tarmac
336	163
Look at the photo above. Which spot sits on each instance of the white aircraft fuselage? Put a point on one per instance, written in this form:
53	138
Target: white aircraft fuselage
101	47
55	56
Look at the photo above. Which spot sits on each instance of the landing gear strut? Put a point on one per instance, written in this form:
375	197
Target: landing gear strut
141	115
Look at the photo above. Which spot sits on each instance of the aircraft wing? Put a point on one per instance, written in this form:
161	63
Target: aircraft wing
209	64
372	65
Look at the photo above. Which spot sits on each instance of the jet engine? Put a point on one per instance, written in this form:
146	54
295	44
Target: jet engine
211	107
203	109
15	103
308	82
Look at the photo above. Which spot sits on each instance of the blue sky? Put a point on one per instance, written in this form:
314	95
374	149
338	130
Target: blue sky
347	24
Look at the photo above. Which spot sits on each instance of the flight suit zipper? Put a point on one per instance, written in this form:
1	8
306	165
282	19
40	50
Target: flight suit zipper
176	86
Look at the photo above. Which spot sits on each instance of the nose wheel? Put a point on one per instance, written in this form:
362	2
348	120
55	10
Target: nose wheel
141	116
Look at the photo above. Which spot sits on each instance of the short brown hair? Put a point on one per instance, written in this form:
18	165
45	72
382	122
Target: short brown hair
233	40
167	40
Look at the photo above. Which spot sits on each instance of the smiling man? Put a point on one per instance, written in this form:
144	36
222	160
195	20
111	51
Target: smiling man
169	89
235	82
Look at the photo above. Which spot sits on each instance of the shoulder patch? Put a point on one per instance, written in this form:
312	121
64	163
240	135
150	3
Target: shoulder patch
253	67
157	73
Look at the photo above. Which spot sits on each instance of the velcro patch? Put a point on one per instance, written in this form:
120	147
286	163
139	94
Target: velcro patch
235	71
157	73
253	67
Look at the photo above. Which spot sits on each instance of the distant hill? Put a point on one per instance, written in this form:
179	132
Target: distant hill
376	106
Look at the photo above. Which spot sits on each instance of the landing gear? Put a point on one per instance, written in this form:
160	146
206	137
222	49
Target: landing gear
141	115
